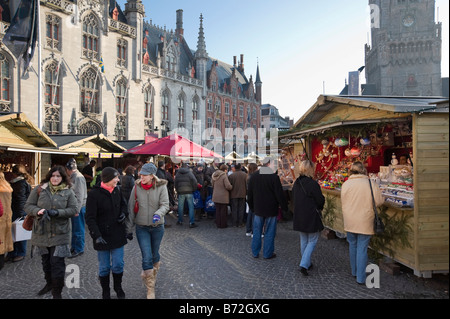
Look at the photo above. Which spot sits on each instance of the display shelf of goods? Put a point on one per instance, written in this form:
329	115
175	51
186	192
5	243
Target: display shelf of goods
398	195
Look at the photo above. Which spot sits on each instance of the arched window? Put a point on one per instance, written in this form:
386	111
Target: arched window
195	109
148	102
170	59
51	79
181	110
91	37
53	31
5	79
121	96
165	107
89	91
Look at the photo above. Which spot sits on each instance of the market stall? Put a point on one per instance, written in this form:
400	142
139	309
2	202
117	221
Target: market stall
24	143
96	147
403	142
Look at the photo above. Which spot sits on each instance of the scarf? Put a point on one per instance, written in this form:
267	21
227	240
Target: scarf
146	187
56	188
109	189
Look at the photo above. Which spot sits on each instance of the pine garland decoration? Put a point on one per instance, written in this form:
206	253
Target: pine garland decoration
395	235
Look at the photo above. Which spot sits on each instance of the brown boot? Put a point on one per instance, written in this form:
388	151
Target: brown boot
156	268
149	279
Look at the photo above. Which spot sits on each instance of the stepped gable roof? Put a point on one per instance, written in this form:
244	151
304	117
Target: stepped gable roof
224	72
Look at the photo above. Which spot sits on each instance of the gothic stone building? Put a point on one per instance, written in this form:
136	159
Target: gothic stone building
106	70
405	56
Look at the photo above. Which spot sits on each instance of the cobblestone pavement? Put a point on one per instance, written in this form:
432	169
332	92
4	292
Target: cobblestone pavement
211	263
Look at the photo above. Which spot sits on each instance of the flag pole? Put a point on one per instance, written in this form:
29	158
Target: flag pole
39	65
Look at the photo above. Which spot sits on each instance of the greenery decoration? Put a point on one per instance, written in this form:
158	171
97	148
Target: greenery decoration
329	210
395	235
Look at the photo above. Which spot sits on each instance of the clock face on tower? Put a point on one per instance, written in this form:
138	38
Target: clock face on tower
408	21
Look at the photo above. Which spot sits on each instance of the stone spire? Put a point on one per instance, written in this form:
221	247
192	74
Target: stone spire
201	45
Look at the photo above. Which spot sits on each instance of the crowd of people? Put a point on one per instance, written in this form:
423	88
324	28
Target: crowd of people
114	205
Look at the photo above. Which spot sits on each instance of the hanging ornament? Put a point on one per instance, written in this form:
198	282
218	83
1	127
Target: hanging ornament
355	151
364	141
347	152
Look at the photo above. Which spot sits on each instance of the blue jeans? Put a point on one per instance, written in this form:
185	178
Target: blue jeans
308	242
358	244
78	230
149	239
269	235
110	260
189	198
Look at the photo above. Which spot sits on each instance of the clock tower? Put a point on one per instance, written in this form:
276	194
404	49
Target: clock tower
404	58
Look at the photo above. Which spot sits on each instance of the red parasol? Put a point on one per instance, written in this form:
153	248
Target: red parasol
173	145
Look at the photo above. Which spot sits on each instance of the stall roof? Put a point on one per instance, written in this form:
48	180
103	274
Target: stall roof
395	104
312	120
130	143
87	143
17	130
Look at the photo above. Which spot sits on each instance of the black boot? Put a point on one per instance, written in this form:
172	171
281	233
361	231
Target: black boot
48	285
104	282
2	261
57	287
117	278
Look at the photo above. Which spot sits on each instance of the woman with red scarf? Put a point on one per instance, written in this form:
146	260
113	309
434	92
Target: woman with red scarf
106	214
153	201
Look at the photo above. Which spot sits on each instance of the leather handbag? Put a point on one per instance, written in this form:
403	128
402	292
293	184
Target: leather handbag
378	225
28	222
136	203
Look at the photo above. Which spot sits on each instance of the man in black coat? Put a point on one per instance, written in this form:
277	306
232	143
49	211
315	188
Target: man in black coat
265	196
185	185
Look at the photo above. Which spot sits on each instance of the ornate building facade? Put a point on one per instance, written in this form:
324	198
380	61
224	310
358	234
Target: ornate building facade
106	70
404	58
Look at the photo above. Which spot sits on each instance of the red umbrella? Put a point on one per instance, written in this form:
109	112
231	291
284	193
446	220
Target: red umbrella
173	145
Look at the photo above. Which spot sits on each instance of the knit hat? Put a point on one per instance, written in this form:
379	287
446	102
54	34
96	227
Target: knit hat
71	164
108	174
148	169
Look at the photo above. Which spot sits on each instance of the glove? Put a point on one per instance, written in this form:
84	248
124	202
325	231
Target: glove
52	212
100	240
130	236
156	218
121	218
199	186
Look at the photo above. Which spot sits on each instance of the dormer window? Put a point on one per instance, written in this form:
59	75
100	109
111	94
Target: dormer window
170	59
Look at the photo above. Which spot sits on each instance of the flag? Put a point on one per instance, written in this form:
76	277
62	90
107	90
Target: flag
21	36
100	64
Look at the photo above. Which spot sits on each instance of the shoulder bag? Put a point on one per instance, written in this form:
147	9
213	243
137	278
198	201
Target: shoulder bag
136	203
378	225
28	221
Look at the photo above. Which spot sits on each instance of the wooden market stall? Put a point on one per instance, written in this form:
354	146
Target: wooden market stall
378	130
96	147
24	143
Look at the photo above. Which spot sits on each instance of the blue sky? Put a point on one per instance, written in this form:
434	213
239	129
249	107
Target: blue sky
304	48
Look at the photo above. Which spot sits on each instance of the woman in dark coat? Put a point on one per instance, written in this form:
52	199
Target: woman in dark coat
106	214
21	190
308	202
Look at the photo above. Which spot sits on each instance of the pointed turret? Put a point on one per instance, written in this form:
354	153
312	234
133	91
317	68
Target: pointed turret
201	57
258	85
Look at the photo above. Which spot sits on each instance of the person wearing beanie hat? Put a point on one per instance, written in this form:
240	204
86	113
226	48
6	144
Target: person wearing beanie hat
150	196
108	174
78	221
106	217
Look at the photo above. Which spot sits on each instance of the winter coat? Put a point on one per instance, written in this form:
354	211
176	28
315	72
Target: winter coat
102	212
221	187
209	171
151	202
6	243
185	181
58	230
308	202
21	191
79	188
357	207
127	185
239	181
265	193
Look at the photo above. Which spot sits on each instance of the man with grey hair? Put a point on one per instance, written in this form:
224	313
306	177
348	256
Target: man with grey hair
78	222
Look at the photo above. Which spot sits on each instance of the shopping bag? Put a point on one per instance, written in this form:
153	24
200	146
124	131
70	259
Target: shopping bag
18	232
198	202
210	207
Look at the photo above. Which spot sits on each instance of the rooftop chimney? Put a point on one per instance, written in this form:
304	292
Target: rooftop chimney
179	30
